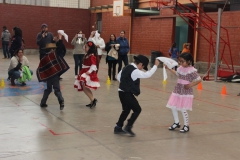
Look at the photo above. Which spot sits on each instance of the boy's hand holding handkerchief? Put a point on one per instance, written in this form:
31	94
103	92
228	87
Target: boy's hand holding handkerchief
170	63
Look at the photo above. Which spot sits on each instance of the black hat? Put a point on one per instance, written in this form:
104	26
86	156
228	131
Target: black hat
44	25
143	59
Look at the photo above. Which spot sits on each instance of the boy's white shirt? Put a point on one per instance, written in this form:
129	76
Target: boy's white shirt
138	73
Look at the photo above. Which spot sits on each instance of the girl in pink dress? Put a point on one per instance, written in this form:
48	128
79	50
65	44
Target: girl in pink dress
182	97
87	78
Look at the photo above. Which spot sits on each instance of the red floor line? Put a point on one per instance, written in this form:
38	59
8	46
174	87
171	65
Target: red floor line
56	134
204	89
197	99
219	104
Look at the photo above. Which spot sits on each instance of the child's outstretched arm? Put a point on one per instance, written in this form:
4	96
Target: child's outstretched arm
173	71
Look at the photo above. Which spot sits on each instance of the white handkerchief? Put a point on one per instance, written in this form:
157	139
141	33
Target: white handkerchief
63	34
164	74
97	35
170	63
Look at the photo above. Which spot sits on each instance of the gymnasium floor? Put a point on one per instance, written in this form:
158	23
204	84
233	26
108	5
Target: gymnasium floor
28	132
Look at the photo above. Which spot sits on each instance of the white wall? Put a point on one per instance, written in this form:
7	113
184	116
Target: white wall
85	4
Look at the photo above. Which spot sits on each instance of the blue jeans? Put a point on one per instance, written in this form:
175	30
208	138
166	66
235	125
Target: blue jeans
12	74
5	49
121	58
78	59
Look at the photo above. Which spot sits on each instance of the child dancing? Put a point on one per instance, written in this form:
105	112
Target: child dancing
87	78
182	96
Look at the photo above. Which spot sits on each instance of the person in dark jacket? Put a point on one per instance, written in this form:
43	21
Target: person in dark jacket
129	87
123	50
6	36
112	62
44	37
16	41
61	49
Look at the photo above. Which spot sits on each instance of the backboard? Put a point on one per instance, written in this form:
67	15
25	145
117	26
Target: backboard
118	8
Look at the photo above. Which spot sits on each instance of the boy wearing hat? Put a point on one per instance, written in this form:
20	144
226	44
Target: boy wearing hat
44	37
52	82
129	87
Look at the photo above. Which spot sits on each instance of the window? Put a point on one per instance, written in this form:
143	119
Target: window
147	12
232	5
99	22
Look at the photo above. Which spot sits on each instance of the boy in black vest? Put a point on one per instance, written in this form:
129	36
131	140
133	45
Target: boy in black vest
129	78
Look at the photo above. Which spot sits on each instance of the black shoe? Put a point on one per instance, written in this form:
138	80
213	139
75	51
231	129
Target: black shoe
23	83
88	105
43	105
238	94
185	129
60	78
114	79
61	105
94	102
174	126
128	129
118	130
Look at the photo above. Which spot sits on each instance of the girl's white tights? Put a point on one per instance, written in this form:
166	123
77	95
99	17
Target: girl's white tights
184	114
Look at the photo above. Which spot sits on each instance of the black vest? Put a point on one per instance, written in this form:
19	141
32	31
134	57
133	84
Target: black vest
126	82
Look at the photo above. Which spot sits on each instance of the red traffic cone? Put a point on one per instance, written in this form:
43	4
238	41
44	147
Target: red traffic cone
224	90
199	86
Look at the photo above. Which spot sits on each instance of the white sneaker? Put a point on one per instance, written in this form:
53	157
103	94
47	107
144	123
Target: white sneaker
76	77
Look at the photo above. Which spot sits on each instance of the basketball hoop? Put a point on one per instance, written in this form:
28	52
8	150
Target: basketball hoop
117	14
118	8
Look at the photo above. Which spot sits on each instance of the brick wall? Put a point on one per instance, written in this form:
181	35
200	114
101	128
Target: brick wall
30	18
114	25
147	34
230	20
151	34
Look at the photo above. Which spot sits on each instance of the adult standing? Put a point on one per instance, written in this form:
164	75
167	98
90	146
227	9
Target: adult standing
6	36
44	37
61	49
123	50
78	52
16	41
112	62
95	37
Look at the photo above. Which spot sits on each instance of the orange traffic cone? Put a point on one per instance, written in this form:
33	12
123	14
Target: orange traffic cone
224	90
199	86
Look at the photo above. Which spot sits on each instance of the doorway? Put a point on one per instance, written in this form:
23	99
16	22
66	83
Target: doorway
183	33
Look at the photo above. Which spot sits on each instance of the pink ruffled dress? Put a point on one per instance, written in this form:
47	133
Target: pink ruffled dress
90	80
182	98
